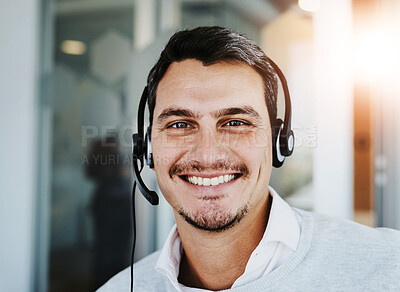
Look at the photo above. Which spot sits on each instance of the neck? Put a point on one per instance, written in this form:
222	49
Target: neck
214	260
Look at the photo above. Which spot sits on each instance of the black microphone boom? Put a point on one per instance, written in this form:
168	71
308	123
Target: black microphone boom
151	196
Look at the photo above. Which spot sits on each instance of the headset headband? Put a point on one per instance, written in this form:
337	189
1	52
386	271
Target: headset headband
288	105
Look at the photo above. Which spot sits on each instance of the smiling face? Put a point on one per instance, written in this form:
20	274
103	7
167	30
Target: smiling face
211	142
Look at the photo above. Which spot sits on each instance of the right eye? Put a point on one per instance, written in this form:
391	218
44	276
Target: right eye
179	125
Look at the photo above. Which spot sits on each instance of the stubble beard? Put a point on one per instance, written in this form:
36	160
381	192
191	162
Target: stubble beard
214	219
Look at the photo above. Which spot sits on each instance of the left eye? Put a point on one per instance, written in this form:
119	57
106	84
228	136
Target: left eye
235	123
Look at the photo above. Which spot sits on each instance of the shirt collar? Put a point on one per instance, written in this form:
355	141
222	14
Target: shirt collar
282	227
282	223
170	257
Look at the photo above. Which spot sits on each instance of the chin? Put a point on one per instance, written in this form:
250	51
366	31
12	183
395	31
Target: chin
213	217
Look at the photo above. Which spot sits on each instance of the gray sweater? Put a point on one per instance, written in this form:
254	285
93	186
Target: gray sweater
333	255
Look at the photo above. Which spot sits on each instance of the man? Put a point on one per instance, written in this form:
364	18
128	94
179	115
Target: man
213	115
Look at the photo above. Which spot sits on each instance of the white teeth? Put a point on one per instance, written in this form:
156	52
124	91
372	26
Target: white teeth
193	180
214	181
206	181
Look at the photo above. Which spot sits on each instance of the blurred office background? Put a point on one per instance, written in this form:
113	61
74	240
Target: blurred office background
72	72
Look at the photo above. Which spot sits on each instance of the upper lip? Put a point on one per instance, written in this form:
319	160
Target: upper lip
209	175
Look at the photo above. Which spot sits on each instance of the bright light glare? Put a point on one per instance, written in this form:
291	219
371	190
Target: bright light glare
376	54
73	47
309	5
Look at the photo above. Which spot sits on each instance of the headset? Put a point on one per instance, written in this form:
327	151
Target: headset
282	139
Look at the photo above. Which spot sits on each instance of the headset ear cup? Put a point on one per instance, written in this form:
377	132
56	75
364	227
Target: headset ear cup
137	147
148	150
277	156
287	144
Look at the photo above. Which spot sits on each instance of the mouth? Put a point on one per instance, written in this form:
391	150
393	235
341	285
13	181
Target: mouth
210	181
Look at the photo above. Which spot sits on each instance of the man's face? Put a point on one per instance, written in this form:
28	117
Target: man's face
211	142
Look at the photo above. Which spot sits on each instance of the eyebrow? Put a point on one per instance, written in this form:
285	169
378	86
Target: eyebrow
176	111
230	111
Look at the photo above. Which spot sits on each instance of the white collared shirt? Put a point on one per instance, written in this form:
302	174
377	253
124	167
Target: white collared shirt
279	242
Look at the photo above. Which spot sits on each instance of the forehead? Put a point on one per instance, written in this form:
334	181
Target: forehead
191	84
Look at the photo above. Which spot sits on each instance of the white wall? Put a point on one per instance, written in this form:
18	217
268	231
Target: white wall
18	86
316	57
288	40
333	163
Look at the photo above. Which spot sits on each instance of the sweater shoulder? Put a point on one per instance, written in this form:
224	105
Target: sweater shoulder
144	273
348	237
355	232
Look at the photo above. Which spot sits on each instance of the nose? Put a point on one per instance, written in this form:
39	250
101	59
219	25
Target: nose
208	147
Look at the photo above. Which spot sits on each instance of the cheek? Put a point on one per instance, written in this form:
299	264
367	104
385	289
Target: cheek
165	154
162	150
256	159
162	158
256	139
254	148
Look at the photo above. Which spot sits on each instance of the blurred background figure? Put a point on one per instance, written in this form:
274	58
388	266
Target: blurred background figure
110	207
71	77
